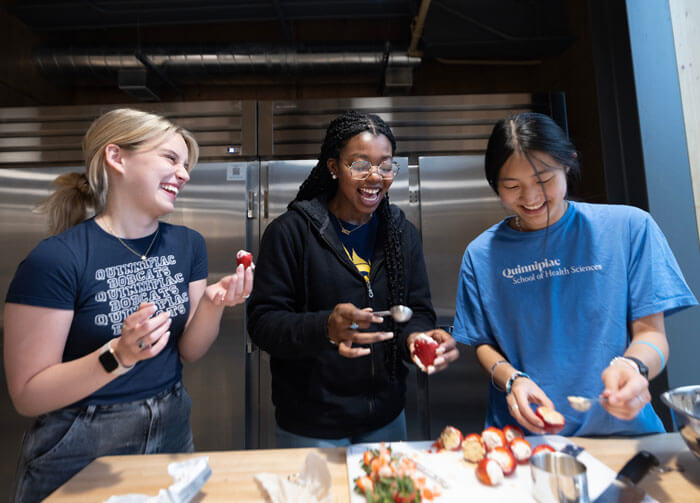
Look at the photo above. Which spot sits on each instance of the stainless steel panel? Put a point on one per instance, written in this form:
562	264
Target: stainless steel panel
421	124
457	204
20	231
214	203
445	116
51	135
172	109
20	228
279	183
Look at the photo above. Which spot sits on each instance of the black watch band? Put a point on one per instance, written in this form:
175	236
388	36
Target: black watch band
641	366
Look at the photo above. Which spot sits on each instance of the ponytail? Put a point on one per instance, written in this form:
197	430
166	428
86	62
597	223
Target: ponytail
69	204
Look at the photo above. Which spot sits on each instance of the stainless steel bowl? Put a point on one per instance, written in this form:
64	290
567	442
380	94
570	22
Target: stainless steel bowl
684	403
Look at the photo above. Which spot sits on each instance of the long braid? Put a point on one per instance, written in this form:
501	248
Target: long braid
319	181
395	274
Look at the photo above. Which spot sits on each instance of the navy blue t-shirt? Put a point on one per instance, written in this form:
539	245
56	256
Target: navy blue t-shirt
358	242
88	271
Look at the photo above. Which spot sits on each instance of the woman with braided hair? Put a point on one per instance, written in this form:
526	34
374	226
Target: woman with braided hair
340	252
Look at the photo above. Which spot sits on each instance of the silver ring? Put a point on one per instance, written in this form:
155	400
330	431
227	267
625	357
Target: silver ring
246	296
142	345
354	326
514	407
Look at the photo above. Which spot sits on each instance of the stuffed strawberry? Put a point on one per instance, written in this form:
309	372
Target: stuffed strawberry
489	472
245	258
541	448
450	439
425	347
521	449
473	448
511	431
493	437
553	421
504	458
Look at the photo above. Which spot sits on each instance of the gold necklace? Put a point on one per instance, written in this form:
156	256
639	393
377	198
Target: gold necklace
347	232
145	254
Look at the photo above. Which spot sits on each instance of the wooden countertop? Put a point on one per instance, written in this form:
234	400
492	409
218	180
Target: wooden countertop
233	471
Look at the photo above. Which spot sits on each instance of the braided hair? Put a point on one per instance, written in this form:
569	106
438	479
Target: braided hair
340	130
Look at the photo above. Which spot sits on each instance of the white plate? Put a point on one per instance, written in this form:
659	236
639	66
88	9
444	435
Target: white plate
462	480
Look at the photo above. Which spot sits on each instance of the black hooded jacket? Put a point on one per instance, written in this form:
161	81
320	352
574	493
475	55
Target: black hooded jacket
302	273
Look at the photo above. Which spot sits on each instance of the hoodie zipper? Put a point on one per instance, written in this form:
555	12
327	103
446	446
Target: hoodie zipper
370	295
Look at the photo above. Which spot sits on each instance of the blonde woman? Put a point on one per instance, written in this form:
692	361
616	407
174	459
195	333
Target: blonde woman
99	316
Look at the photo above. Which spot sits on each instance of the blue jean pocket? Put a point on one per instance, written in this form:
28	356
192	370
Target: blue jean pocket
51	434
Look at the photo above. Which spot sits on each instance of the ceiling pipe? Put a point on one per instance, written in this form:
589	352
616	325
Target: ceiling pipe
180	62
417	29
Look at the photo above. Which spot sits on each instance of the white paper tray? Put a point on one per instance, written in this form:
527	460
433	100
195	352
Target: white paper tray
463	481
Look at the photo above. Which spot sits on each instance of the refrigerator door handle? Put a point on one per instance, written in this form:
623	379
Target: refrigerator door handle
251	204
266	212
251	347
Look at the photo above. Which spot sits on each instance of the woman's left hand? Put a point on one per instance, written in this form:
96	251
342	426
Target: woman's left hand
446	352
232	289
626	391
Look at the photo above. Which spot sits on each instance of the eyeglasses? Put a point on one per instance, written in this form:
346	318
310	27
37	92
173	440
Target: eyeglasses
359	170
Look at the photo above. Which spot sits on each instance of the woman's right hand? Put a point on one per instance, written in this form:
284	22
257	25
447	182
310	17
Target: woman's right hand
343	325
142	337
525	392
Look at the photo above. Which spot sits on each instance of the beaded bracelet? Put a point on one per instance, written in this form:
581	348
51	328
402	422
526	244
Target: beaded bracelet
512	378
625	361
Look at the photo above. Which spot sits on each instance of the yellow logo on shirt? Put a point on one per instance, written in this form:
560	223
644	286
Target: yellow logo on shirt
362	265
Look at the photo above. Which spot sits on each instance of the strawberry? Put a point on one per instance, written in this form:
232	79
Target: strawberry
553	420
245	258
364	484
493	437
450	438
424	347
511	431
367	458
473	448
521	449
542	447
504	458
489	472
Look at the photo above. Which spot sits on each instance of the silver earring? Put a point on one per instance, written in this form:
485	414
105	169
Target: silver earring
333	176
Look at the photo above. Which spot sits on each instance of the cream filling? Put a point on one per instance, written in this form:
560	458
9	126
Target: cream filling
494	472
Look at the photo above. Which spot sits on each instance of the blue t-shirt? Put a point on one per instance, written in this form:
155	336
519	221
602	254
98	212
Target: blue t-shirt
358	242
88	271
557	303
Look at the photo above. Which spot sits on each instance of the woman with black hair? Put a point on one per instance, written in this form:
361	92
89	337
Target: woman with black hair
338	253
565	298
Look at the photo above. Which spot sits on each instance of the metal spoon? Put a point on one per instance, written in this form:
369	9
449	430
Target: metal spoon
401	314
583	403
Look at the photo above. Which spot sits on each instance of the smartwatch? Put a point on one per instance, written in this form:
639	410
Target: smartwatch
110	362
641	366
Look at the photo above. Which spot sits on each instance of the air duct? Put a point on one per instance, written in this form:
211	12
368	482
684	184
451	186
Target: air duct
180	63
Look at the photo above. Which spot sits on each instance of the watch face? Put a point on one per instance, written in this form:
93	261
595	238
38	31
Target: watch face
108	361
